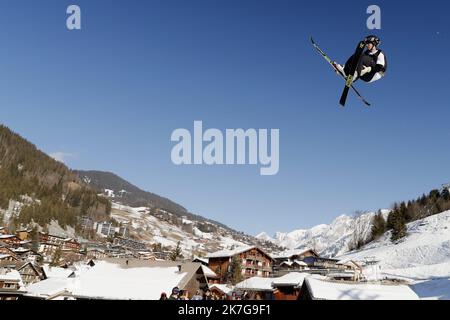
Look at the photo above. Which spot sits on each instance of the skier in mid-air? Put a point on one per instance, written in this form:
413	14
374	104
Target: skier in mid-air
372	65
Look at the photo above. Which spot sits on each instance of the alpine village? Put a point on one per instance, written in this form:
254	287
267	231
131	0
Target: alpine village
72	235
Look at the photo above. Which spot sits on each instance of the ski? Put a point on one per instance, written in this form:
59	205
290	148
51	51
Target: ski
355	61
328	59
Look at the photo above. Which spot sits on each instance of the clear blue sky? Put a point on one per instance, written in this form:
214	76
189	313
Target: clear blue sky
111	94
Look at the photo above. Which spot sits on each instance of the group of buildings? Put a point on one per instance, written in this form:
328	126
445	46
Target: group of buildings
105	228
137	273
22	255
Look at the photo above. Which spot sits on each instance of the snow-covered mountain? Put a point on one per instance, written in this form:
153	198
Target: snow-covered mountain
329	240
424	253
423	257
168	229
155	219
195	237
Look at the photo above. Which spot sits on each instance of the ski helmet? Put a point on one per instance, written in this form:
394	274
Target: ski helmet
373	40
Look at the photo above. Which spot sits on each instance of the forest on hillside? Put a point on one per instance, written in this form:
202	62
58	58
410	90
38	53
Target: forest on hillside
55	191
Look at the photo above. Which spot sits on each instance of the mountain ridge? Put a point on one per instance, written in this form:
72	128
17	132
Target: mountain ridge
327	239
122	191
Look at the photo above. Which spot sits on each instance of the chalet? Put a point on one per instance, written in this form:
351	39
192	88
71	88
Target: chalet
28	255
351	269
11	286
7	257
69	256
48	249
350	265
162	255
210	275
320	288
288	286
11	240
291	266
96	254
28	272
321	263
222	290
71	245
122	279
256	288
254	261
51	239
193	279
146	255
293	261
6	250
310	257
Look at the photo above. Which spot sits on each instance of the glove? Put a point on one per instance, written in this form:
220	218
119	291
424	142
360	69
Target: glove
366	70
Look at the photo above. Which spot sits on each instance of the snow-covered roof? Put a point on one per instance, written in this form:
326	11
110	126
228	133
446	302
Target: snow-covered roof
223	288
108	280
229	253
289	253
204	260
7	236
95	249
349	262
56	272
329	290
14	276
208	272
116	279
334	275
290	279
4	256
301	263
49	287
256	284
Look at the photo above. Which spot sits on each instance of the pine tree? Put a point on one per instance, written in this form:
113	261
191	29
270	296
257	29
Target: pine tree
446	194
234	274
399	227
34	235
404	211
56	257
176	253
378	226
390	219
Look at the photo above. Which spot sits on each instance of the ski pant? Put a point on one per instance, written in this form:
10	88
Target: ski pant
365	61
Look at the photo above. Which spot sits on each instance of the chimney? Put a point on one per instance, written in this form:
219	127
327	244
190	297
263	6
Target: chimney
179	268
